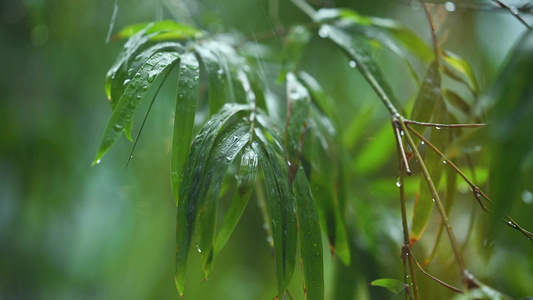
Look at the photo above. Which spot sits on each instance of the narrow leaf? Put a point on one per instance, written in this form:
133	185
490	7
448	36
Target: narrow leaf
227	147
427	95
461	66
191	192
282	210
311	253
187	96
135	92
165	30
246	179
296	126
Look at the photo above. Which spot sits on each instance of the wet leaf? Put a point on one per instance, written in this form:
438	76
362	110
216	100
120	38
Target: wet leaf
324	103
227	146
393	285
245	181
460	69
192	190
164	30
310	238
427	96
186	98
282	209
296	127
134	93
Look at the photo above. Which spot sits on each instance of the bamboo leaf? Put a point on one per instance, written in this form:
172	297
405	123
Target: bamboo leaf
354	48
164	30
186	98
393	285
282	210
245	181
427	96
510	130
227	146
311	252
297	117
135	92
192	190
462	67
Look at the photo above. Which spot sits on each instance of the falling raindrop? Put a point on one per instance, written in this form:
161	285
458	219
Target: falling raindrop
353	64
449	6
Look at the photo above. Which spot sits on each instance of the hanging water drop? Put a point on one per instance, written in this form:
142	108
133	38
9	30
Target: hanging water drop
437	127
444	162
449	6
353	64
98	161
323	32
422	143
398	184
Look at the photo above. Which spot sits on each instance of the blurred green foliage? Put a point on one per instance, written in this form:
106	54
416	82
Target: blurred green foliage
69	231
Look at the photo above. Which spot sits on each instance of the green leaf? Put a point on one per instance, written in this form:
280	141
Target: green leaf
427	95
186	98
164	30
245	181
192	190
457	67
376	152
135	92
325	104
294	44
296	127
227	146
282	209
510	131
393	285
311	252
354	48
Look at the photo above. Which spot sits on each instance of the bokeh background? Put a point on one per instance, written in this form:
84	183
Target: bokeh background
71	231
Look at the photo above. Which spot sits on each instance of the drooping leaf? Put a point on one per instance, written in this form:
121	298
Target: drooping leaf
227	146
164	30
135	92
509	129
393	285
186	98
296	127
294	45
354	48
192	190
311	254
282	209
246	179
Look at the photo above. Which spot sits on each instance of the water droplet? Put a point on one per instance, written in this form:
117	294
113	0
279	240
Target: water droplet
444	162
130	71
199	250
269	239
190	86
265	226
353	64
195	78
398	184
119	127
220	72
527	197
192	67
437	127
145	88
138	57
98	161
139	97
132	105
422	142
449	6
229	158
323	33
126	82
137	75
433	199
151	76
513	9
401	132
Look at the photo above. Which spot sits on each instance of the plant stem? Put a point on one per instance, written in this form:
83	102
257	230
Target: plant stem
433	33
514	12
442	125
438	202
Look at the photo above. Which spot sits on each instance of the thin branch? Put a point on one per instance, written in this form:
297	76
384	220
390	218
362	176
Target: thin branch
514	11
438	202
403	157
435	278
438	126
